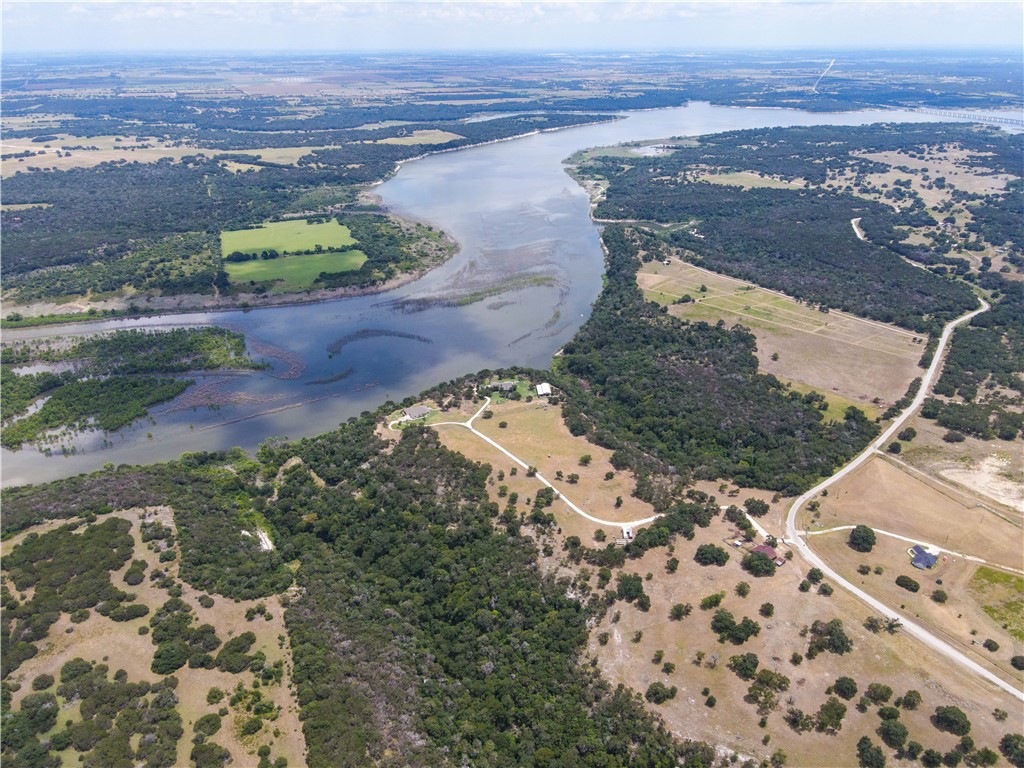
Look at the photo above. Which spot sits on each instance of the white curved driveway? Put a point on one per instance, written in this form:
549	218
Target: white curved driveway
793	535
558	494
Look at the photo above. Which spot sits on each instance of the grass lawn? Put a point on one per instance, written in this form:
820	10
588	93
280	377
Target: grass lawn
1000	596
294	272
294	235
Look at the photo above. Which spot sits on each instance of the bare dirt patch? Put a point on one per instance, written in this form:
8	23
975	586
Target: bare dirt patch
991	468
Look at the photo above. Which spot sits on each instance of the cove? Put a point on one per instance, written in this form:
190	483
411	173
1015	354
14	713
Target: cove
528	270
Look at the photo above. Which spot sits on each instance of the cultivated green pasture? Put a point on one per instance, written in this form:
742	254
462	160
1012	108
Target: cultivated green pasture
293	273
294	235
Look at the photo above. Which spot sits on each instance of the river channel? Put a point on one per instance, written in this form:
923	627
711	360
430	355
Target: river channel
528	270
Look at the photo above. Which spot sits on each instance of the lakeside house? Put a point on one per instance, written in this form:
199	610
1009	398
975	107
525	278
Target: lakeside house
503	386
416	412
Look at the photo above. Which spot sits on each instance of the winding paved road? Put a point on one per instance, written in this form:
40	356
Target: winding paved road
793	536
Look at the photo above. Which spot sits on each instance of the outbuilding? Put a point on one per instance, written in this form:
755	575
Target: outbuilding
764	549
544	390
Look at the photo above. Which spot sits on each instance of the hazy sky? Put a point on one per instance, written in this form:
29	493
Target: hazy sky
101	25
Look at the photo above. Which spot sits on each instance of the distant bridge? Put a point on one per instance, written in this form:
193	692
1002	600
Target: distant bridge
977	117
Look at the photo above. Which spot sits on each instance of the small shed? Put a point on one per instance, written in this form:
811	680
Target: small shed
544	390
764	549
627	532
416	412
922	558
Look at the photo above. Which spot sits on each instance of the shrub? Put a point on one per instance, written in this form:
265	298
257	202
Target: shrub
744	665
659	693
679	611
767	610
743	589
1012	747
711	601
815	575
907	583
756	507
894	447
907	434
42	682
758	564
991	645
861	539
878	693
206	601
830	715
845	687
911	700
710	554
208	725
868	755
1017	662
952	436
939	596
952	720
893	733
170	656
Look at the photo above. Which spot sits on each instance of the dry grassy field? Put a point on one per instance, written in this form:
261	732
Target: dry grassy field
834	353
961	620
883	495
119	645
896	660
535	432
422	137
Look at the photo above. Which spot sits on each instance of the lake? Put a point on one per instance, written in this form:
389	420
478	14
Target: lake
523	282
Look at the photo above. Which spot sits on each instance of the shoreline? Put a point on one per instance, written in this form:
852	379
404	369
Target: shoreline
317	296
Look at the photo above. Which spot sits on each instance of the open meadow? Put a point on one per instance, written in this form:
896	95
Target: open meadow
293	273
842	356
883	495
286	236
895	660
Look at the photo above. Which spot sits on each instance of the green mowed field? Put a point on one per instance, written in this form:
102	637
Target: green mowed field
293	273
296	235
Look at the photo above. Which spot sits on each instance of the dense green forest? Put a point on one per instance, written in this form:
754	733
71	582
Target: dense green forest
983	374
112	380
145	211
800	240
643	382
449	647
